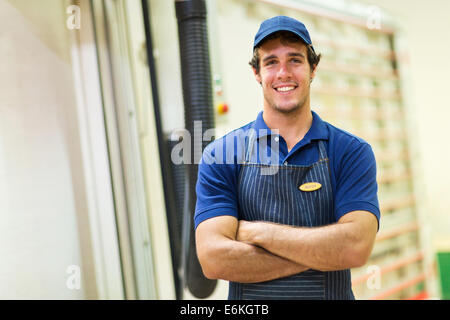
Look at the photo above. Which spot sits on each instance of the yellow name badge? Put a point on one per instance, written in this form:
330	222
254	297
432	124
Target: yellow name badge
310	186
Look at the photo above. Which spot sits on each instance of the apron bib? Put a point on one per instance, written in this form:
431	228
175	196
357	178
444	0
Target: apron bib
277	198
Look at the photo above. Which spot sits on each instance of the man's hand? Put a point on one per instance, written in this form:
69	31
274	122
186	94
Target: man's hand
247	231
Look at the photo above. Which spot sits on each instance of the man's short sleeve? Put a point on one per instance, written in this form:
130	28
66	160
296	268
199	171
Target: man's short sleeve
216	189
356	185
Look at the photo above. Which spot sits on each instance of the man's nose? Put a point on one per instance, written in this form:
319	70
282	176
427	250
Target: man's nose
283	71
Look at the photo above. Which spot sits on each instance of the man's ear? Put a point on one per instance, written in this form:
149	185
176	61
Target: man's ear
257	76
313	73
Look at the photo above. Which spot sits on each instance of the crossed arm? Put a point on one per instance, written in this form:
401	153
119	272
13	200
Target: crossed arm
244	251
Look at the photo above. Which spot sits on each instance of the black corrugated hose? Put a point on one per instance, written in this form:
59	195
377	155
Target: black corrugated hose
198	106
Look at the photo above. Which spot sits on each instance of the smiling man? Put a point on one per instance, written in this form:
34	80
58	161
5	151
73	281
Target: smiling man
296	233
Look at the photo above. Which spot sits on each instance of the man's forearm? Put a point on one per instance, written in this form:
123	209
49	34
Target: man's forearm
242	262
319	248
326	248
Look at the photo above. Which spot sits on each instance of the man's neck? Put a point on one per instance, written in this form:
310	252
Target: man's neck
292	126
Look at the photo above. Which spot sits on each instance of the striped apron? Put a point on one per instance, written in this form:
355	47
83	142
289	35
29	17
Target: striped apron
277	198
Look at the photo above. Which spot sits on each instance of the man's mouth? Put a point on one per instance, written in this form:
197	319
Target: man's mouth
285	89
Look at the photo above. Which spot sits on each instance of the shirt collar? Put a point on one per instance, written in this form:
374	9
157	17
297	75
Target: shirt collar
318	130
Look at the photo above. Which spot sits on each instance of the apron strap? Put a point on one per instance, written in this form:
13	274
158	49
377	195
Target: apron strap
250	143
322	151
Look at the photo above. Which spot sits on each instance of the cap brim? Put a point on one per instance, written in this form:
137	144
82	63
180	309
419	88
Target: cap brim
270	31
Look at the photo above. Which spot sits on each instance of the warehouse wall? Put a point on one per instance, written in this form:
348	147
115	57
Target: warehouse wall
39	199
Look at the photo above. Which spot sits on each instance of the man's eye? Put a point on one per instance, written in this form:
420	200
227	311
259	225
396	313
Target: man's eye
270	62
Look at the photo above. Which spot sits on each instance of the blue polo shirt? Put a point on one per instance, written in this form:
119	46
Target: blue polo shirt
352	167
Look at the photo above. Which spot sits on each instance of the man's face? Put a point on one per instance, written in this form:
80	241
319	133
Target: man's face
285	75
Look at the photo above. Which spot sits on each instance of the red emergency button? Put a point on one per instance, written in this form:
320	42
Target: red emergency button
222	108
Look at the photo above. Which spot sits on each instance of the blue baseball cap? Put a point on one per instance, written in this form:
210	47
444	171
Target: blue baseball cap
282	23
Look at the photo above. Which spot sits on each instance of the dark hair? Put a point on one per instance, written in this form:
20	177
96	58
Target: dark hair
285	37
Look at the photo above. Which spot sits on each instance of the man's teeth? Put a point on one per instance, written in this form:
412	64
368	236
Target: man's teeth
285	88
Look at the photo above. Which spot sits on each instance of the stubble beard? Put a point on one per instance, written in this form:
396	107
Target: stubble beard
288	110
